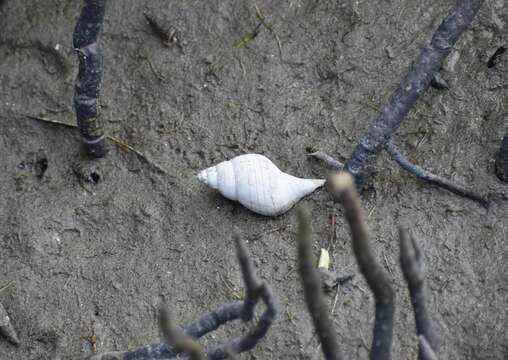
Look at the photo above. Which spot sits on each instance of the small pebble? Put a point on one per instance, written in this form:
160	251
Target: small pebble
439	83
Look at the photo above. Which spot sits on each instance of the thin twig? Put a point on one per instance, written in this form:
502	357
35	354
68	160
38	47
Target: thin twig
431	178
313	291
51	121
333	234
86	95
328	160
140	155
261	18
342	188
413	268
117	141
6	286
249	37
160	77
335	299
175	336
411	87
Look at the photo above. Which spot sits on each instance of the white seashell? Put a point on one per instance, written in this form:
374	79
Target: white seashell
256	183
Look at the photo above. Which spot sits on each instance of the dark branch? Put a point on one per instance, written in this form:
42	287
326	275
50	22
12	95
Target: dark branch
214	319
258	331
409	90
342	188
313	290
86	95
426	352
7	331
254	292
413	268
502	160
431	178
249	278
175	337
415	170
207	323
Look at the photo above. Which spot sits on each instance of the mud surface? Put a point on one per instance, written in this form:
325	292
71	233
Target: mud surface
109	246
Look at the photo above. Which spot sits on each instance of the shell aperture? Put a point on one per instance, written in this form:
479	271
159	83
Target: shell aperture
256	183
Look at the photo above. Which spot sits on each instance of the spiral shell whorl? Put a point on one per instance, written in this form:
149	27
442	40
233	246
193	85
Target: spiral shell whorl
209	177
226	179
255	182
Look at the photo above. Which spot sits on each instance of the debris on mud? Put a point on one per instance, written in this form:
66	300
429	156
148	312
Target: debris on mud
165	29
6	328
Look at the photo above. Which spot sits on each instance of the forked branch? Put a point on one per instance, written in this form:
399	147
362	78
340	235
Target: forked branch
415	170
175	336
183	341
416	81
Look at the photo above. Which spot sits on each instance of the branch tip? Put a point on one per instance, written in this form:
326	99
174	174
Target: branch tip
340	183
313	290
426	351
175	336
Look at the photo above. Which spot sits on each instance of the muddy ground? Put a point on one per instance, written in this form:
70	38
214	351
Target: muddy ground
73	252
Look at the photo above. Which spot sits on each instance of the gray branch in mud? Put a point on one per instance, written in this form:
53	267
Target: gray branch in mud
425	350
431	178
327	160
342	187
412	169
174	336
87	86
410	89
413	268
255	291
313	290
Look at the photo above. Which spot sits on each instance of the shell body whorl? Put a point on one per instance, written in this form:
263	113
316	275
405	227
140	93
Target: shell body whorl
255	182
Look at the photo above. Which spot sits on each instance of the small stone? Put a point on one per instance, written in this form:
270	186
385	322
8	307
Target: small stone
331	280
389	52
439	83
209	59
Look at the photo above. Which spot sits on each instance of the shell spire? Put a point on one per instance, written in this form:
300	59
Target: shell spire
256	183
